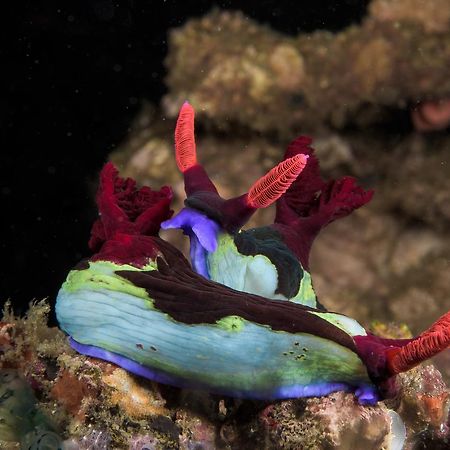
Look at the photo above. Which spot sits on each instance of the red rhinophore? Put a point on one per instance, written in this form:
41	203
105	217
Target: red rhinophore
428	344
184	138
275	183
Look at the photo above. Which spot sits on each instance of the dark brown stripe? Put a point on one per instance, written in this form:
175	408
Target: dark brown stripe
189	298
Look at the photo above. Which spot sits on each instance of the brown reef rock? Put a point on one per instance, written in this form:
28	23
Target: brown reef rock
235	71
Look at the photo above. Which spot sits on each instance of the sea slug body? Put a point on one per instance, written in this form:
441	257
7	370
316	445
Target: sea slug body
243	320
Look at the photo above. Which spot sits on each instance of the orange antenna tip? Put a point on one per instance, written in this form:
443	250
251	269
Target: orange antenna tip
276	182
185	151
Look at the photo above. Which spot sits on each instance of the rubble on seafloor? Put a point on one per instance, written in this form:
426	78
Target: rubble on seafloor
52	397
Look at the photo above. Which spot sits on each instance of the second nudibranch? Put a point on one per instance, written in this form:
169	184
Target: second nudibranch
271	261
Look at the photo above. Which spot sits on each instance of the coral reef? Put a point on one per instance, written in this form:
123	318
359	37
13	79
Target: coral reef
239	72
432	16
334	422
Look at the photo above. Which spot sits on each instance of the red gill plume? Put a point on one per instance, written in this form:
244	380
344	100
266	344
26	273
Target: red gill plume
276	182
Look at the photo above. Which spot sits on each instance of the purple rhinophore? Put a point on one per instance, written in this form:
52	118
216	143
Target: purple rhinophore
366	394
202	232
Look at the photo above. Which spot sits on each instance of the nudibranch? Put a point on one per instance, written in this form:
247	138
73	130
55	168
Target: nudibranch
137	302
